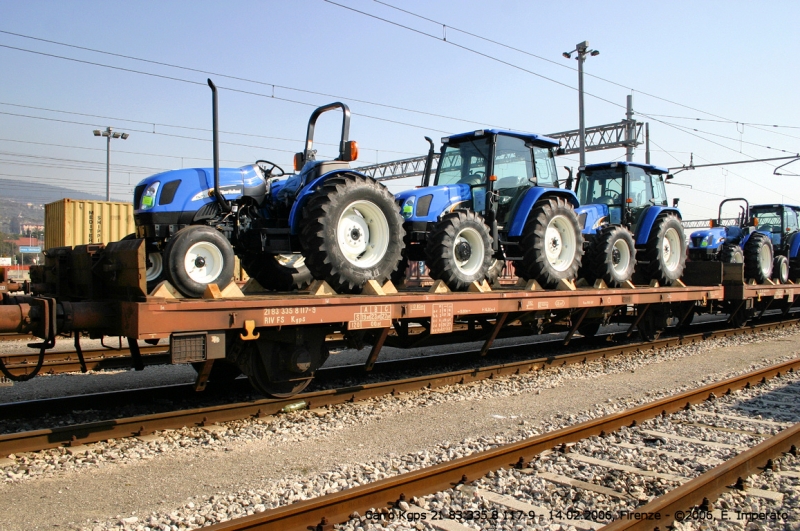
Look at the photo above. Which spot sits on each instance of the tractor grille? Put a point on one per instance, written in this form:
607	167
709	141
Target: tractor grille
168	192
697	241
582	220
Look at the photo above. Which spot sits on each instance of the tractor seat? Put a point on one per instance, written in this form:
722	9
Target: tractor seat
511	182
472	180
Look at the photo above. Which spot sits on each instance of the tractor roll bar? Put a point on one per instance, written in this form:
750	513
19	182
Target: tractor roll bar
308	154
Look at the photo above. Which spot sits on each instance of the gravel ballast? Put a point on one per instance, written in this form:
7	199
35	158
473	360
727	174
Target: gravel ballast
194	477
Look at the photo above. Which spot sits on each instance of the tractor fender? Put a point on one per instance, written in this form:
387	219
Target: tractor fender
648	220
794	246
525	205
296	213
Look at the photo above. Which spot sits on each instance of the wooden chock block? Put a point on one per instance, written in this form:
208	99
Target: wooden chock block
582	283
533	285
232	291
654	284
565	285
212	292
372	288
600	284
521	283
679	283
628	285
439	287
320	288
389	288
483	287
770	282
165	290
252	286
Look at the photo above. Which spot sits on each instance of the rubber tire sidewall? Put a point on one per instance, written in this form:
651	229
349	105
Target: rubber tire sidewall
780	269
656	268
752	252
440	250
324	257
729	254
176	250
272	275
534	260
599	259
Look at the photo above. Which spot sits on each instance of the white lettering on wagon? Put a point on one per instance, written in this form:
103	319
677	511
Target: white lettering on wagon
371	316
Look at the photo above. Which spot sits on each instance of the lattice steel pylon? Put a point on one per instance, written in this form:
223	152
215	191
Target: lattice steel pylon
598	138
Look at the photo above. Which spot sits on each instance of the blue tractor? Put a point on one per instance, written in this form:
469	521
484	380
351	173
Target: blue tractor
495	197
327	222
765	238
629	225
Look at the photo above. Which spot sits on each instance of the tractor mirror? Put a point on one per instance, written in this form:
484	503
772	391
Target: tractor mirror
561	151
298	162
675	201
669	177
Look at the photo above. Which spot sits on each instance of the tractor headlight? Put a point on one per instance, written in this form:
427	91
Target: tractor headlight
602	220
149	196
408	207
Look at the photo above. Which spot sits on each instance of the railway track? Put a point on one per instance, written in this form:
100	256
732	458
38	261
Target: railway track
643	468
58	362
140	425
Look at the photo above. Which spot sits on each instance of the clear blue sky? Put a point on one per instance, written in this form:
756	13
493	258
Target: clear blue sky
723	61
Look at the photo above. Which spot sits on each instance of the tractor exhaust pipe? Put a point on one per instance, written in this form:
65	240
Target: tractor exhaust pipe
426	178
226	206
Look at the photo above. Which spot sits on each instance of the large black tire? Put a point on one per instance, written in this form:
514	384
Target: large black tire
758	255
459	250
780	269
552	243
665	251
399	275
352	232
495	271
611	256
731	254
278	272
154	262
196	257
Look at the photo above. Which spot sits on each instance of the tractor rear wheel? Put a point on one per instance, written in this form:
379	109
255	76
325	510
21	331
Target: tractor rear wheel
758	258
665	251
780	269
611	256
459	250
352	232
552	243
731	254
196	257
282	272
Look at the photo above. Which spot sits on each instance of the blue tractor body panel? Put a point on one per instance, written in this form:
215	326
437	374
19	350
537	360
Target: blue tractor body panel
592	214
524	206
711	238
196	187
645	224
794	246
443	199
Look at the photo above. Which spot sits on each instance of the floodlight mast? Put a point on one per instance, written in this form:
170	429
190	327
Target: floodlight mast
109	134
582	50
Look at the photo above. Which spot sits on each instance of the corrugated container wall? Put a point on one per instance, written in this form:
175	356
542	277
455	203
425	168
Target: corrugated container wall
71	222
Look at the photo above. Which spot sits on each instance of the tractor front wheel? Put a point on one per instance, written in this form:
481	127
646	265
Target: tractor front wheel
612	256
459	250
352	232
552	243
282	272
780	269
196	257
665	251
731	254
758	258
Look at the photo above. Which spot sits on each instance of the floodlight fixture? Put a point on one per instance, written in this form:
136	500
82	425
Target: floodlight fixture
581	50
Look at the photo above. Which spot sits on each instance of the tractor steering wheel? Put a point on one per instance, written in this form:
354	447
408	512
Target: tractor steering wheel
267	167
609	198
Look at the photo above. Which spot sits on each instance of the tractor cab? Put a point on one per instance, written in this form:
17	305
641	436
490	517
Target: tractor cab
617	193
779	222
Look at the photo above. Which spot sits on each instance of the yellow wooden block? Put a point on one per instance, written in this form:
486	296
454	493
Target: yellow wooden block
439	287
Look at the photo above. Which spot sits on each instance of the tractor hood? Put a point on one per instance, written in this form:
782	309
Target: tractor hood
592	217
708	238
189	189
426	204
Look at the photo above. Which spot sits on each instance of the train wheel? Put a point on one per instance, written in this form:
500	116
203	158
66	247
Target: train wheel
283	364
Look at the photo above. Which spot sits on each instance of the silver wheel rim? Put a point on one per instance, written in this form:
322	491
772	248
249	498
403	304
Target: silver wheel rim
765	260
295	260
473	263
203	262
560	243
155	267
621	257
671	249
784	272
363	234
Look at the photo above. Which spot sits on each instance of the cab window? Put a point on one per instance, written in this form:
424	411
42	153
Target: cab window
638	187
659	190
464	163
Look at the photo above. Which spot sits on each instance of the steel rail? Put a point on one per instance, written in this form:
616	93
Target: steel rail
204	416
58	362
710	484
337	507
